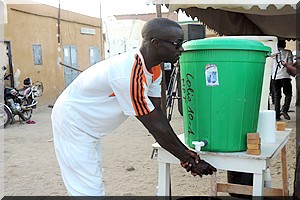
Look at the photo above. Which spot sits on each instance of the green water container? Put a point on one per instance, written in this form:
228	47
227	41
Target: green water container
221	89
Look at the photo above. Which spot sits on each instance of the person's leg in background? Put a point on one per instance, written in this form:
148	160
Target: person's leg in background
287	91
277	93
272	91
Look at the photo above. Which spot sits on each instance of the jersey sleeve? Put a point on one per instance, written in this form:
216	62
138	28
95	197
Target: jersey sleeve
132	95
155	86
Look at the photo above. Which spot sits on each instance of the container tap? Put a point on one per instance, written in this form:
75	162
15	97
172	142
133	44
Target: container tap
199	144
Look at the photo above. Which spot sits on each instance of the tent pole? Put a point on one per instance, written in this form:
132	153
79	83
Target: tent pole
158	10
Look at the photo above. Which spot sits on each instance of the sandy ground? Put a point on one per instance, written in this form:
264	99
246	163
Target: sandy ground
31	168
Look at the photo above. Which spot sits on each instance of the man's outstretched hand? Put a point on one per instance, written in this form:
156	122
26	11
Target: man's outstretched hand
203	168
197	166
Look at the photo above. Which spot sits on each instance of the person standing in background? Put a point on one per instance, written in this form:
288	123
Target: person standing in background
281	79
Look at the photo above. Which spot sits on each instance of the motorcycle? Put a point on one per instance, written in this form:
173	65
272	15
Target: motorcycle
18	103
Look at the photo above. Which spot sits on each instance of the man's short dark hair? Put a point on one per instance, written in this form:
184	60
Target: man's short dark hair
156	27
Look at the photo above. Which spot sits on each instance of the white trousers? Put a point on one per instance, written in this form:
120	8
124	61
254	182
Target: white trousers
80	166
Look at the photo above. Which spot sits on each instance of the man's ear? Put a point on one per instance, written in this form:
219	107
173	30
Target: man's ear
155	42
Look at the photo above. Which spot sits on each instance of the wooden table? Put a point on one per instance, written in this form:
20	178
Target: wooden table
236	161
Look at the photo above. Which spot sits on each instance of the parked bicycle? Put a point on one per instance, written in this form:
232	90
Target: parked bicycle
174	92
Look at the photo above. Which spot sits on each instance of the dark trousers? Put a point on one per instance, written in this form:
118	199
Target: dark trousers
286	86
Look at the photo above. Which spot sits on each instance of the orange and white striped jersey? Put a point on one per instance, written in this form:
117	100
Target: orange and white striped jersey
104	95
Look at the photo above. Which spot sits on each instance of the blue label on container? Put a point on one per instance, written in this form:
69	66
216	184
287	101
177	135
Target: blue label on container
211	75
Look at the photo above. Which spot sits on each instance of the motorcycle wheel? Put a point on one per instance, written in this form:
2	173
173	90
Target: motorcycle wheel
26	113
5	116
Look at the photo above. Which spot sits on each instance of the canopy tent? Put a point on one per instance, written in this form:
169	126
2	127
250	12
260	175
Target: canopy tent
266	18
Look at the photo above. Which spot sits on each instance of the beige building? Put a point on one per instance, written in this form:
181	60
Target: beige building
41	37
